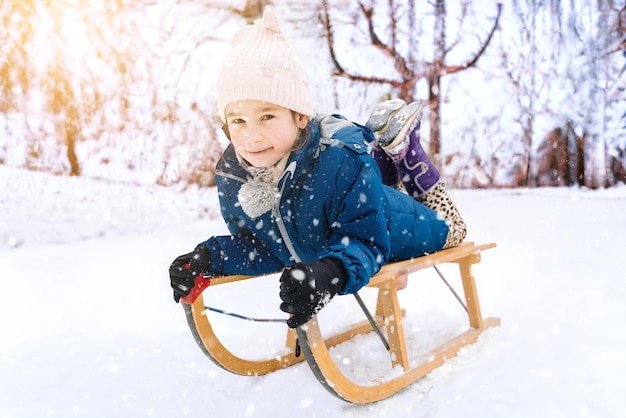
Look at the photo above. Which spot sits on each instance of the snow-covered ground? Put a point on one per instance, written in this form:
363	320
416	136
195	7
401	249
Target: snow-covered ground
88	326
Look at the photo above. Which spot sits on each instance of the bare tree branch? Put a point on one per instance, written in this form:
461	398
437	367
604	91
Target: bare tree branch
399	61
456	68
339	70
459	35
392	21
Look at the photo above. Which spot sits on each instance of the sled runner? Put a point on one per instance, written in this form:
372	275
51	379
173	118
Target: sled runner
388	315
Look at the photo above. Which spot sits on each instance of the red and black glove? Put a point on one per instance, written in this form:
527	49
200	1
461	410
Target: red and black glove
305	288
186	268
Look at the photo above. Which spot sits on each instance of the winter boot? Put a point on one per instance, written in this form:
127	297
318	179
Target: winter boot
396	127
386	165
378	122
381	118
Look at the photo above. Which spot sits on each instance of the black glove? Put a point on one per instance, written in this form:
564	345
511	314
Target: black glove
185	268
305	288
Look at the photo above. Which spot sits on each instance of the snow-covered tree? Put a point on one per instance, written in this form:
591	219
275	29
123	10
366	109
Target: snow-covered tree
108	85
395	31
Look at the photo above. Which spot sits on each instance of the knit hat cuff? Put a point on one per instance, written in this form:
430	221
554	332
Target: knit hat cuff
269	84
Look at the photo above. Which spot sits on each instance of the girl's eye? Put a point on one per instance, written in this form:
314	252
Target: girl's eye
237	121
267	117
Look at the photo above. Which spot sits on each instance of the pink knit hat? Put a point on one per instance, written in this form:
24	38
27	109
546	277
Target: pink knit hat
262	66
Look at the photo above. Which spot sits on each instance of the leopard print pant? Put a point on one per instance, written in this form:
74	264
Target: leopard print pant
438	200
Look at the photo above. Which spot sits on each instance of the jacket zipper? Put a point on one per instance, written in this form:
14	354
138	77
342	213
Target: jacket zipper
277	216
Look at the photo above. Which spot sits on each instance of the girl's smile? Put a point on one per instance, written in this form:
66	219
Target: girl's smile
261	132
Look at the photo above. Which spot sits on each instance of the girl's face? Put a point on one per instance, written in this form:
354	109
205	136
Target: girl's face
263	132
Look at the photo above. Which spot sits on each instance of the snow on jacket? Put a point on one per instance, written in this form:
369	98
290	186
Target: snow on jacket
332	203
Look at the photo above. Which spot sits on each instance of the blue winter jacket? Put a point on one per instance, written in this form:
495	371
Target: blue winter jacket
332	204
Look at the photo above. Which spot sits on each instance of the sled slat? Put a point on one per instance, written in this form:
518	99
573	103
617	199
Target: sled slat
395	329
471	294
401	268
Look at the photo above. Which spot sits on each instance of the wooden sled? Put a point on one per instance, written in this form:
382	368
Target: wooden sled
388	315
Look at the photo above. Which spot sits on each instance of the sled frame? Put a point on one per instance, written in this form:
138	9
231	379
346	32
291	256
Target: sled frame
388	315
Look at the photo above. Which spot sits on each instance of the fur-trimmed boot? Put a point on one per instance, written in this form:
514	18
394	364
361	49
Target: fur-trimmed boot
396	127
